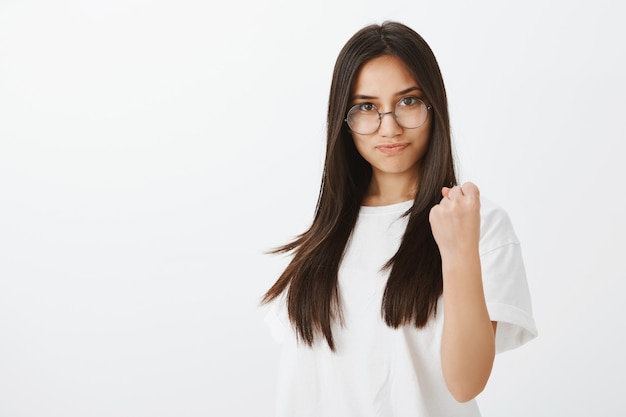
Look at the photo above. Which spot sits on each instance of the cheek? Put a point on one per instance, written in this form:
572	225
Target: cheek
424	135
361	147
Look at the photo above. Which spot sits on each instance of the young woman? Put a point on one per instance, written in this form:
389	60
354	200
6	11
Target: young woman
406	284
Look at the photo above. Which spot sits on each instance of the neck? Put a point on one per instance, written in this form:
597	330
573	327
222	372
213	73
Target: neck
390	188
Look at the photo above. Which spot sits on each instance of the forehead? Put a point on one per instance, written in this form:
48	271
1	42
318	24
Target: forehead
383	76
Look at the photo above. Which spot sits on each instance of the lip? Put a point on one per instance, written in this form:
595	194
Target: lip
392	148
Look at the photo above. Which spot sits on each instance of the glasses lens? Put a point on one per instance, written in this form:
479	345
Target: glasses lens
411	112
363	119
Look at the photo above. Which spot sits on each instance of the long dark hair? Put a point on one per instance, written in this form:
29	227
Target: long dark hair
414	284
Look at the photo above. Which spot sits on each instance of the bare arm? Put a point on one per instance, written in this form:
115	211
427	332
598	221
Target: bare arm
468	340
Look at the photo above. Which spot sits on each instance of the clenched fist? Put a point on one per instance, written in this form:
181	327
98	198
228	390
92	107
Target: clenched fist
455	221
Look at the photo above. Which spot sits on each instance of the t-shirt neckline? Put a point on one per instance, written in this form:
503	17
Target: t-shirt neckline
391	208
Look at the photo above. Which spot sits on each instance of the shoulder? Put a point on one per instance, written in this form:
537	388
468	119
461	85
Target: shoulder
276	318
496	228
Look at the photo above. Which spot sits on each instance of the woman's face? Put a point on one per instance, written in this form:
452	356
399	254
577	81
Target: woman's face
392	149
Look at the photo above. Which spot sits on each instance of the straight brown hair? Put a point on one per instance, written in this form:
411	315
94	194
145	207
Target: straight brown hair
415	283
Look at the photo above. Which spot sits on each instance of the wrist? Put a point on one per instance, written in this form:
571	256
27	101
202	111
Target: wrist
459	257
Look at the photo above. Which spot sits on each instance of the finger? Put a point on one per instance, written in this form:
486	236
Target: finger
431	214
471	189
455	192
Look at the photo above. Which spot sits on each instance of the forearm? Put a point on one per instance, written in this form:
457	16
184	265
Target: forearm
468	341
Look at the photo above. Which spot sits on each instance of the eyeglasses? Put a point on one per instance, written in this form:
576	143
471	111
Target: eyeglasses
409	113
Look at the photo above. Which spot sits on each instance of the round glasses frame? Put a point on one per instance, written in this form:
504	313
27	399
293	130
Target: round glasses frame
355	108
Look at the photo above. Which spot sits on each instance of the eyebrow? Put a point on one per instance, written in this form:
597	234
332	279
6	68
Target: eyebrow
399	93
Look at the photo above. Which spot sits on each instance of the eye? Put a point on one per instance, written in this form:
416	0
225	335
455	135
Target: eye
366	107
409	101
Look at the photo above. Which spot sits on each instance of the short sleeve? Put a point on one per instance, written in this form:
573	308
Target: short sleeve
504	279
276	319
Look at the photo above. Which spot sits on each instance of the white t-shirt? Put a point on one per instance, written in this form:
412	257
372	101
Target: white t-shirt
378	371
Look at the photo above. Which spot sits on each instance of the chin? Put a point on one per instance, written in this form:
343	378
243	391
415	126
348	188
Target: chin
407	169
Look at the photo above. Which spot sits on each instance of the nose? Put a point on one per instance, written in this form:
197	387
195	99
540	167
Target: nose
389	127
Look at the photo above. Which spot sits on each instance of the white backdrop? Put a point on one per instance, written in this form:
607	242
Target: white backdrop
150	151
